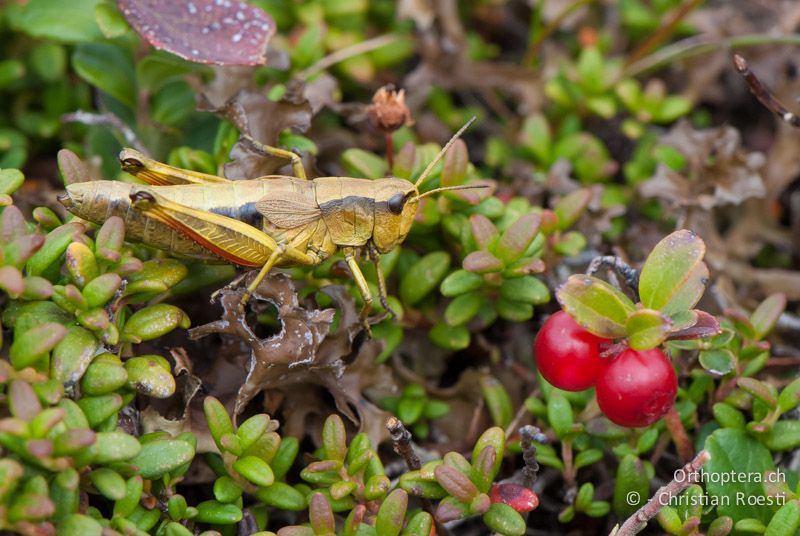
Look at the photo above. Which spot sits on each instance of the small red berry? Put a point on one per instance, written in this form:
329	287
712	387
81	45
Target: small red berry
637	388
517	497
567	355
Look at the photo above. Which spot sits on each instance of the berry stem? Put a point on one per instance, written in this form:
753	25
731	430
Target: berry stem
684	478
629	274
679	436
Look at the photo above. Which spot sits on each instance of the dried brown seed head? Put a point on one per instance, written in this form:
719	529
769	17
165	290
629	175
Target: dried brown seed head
388	110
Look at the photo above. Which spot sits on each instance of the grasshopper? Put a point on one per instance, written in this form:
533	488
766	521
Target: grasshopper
261	223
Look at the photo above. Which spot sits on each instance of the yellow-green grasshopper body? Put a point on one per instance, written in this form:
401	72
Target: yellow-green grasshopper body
259	223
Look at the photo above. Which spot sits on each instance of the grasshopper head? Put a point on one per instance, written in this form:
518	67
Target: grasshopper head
396	202
395	207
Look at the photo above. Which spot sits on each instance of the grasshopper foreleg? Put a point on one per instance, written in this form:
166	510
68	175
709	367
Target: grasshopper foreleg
382	293
363	288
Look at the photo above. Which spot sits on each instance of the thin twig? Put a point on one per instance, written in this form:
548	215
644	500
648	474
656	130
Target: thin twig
348	52
662	32
679	436
626	271
401	442
763	94
684	478
529	434
107	119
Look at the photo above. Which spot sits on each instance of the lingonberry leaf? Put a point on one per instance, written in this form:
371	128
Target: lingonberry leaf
647	329
597	306
674	275
705	325
766	314
224	32
717	361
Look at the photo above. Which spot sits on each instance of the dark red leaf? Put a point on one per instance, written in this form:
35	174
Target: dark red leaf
706	326
517	497
225	32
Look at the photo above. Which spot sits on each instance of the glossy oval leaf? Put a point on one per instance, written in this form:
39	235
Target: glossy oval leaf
704	325
674	275
597	306
718	362
647	329
766	314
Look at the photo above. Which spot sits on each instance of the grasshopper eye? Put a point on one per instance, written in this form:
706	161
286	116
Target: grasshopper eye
396	203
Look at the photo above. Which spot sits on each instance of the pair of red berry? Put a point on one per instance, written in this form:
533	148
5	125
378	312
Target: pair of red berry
633	388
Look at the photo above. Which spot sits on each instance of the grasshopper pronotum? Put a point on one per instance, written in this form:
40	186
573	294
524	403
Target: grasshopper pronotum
260	223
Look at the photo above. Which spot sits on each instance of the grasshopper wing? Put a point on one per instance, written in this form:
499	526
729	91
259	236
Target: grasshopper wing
288	210
158	174
231	239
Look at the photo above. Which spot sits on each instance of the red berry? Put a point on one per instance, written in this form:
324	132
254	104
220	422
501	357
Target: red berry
637	388
567	355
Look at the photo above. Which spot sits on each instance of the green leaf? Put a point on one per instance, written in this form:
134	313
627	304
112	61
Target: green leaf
525	289
148	376
255	470
110	20
455	164
597	306
10	180
484	231
61	20
154	321
535	136
559	414
361	163
482	262
515	240
631	487
423	277
449	337
784	436
217	513
785	521
764	391
108	67
497	400
31	346
647	329
570	207
391	514
515	311
108	483
162	456
728	416
282	496
766	314
463	308
734	452
503	519
719	362
790	396
674	275
460	282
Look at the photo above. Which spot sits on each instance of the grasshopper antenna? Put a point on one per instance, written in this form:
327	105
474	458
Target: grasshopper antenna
446	188
442	152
